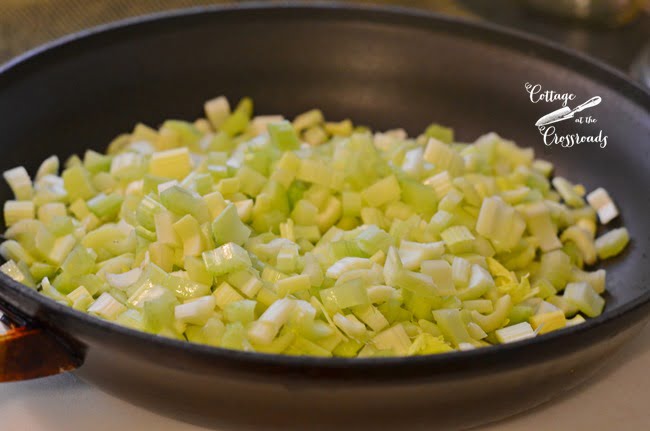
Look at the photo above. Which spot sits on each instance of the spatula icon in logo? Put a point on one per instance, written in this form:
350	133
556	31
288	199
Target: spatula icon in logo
566	113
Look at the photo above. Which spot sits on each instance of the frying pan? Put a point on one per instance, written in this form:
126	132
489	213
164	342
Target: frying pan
382	67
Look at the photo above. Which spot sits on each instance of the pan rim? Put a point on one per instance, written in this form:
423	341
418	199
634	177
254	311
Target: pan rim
513	355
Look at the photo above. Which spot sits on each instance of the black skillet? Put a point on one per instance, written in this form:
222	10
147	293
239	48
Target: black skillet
382	67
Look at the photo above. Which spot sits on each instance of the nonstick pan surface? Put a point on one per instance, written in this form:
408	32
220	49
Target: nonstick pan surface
382	67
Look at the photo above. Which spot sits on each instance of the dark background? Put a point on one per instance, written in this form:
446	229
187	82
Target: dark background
25	24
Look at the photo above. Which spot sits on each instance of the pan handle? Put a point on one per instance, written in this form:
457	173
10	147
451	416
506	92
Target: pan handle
28	350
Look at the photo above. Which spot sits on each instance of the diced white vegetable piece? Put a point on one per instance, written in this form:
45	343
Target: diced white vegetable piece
412	254
268	325
348	264
380	294
107	307
164	186
196	312
350	325
124	280
600	200
510	334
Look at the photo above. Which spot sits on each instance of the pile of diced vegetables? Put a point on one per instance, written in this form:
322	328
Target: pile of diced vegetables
312	237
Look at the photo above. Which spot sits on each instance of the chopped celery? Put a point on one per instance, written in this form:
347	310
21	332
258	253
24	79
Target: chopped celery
14	211
197	311
382	192
547	322
11	269
442	133
500	223
612	243
452	326
583	241
540	224
175	163
50	166
568	193
20	183
80	298
458	239
413	254
269	323
497	318
346	295
290	285
189	232
585	298
312	237
394	339
510	334
283	136
106	206
78	183
181	201
217	110
347	264
107	307
228	227
225	259
443	157
600	201
349	325
246	281
240	311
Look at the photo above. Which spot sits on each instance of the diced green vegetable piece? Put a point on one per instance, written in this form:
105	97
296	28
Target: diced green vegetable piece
225	259
14	211
497	318
175	163
568	193
394	339
107	307
346	295
181	201
197	311
217	110
20	183
290	285
556	268
443	157
414	246
510	334
612	243
106	206
96	162
283	136
382	192
547	322
441	133
583	241
452	326
500	223
78	183
585	298
228	227
458	239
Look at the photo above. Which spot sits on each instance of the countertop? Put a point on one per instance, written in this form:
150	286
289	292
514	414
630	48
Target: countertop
616	398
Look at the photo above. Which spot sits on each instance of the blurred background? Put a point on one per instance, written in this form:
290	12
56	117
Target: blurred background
615	31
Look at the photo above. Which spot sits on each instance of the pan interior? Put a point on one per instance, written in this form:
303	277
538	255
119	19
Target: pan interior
403	73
